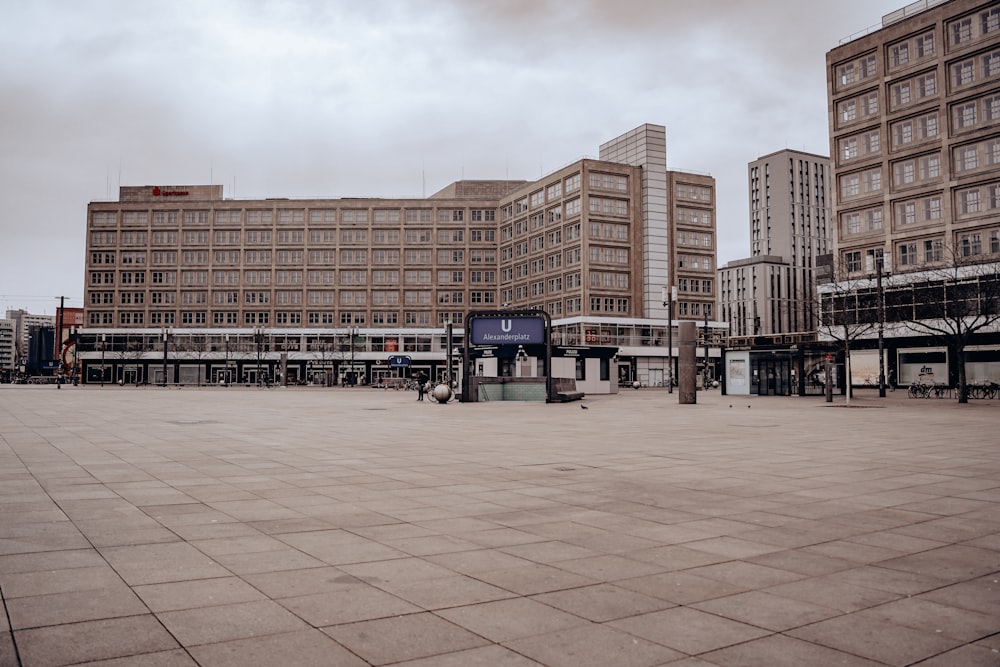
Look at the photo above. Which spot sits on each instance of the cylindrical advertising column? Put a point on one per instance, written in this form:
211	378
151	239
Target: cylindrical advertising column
687	371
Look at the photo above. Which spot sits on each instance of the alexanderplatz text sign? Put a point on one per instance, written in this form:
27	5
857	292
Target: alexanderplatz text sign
505	328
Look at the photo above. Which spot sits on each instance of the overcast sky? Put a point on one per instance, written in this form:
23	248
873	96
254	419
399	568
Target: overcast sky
384	98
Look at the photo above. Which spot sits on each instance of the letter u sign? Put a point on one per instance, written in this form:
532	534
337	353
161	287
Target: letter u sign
506	325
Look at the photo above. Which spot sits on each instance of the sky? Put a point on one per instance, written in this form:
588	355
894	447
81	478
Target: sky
384	98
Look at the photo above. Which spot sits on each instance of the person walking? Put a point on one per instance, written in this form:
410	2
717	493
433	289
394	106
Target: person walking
421	383
892	380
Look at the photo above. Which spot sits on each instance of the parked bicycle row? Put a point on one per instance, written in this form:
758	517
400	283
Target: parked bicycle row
976	390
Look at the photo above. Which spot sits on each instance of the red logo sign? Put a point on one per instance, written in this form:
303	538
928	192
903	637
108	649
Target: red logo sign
158	192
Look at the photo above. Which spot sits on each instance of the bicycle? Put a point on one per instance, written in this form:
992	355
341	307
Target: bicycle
919	390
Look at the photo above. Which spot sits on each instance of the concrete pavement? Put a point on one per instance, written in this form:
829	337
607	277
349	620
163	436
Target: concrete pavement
358	527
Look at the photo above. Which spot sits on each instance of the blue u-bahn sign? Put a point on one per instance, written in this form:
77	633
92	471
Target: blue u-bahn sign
507	331
399	361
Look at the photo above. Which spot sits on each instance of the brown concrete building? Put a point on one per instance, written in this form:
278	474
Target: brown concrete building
576	243
915	138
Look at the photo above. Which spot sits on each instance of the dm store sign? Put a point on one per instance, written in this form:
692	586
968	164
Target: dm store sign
508	330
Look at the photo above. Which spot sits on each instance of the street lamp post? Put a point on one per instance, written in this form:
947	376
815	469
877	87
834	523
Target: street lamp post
104	344
166	333
881	328
226	371
258	339
353	374
668	295
704	379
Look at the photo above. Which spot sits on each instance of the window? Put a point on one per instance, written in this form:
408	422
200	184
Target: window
963	73
933	250
852	261
991	64
960	31
971	244
989	20
899	54
925	45
964	115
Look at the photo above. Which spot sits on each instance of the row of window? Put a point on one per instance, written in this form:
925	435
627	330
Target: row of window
290	216
280	318
918	48
969	202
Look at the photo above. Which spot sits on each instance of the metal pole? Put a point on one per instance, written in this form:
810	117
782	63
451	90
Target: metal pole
668	300
704	377
165	332
448	342
881	328
104	344
226	372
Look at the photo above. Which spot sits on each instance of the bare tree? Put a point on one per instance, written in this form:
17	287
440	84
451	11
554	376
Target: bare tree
953	302
194	346
849	310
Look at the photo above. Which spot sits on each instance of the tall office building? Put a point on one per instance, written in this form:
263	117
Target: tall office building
589	243
774	290
915	135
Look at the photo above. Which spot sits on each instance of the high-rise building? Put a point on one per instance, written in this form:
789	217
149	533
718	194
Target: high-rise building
23	324
7	349
915	138
591	243
774	291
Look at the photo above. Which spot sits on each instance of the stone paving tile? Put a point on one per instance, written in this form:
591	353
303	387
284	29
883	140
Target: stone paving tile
92	640
306	648
608	568
549	552
740	573
602	602
487	656
954	562
782	651
532	579
113	601
209	625
688	630
934	618
965	656
176	658
198	593
504	620
886	579
802	562
593	646
347	604
873	637
981	594
159	563
833	594
46	582
765	610
267	561
451	591
681	587
401	638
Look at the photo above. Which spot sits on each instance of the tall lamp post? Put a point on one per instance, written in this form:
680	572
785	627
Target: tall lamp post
258	339
668	296
226	372
104	344
881	327
166	334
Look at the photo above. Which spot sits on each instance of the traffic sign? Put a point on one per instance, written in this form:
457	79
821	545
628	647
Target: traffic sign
399	361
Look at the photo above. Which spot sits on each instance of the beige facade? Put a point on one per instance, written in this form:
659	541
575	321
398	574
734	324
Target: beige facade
774	291
915	138
572	243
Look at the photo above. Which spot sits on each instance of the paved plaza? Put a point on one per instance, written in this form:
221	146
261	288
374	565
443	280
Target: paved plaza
350	527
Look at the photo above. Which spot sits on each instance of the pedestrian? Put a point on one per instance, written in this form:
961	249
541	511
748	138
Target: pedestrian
892	380
421	384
